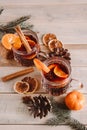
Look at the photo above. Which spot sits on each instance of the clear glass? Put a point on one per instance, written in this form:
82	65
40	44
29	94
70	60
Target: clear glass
21	56
60	86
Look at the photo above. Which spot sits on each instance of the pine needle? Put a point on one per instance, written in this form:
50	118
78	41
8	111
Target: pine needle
53	122
60	109
75	124
24	26
62	115
9	27
14	23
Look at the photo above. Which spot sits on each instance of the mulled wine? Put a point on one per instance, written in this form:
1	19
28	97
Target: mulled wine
57	80
21	55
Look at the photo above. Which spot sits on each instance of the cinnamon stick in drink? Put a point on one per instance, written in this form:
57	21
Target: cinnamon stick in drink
17	74
23	39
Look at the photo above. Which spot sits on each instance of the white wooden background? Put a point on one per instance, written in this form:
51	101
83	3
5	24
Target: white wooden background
68	20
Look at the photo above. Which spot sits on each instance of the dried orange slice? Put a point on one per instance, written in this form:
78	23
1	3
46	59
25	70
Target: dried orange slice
33	83
9	40
51	44
40	65
59	44
54	43
21	87
58	72
47	37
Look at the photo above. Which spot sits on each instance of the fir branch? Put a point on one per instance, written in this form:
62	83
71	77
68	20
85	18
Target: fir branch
12	24
75	124
62	116
24	26
60	109
1	10
53	121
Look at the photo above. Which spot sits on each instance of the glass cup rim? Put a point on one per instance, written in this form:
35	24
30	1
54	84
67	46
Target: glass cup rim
24	53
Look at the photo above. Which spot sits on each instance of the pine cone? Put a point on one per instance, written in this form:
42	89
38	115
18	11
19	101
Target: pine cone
60	52
38	105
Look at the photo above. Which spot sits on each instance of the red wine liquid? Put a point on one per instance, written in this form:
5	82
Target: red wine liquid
32	44
54	78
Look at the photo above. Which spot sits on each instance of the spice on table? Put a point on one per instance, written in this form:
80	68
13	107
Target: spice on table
17	74
39	106
21	87
33	83
56	47
47	37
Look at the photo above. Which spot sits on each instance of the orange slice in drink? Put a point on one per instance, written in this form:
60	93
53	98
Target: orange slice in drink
17	44
58	72
9	40
40	65
52	66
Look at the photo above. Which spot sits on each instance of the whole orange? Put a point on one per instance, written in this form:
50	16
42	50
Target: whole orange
75	100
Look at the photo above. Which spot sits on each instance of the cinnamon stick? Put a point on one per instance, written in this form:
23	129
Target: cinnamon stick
17	74
23	39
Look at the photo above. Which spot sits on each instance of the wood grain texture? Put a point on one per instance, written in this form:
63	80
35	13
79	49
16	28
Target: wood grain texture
13	111
78	73
78	55
33	127
51	2
68	20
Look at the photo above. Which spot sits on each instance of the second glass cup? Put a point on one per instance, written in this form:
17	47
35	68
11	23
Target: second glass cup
57	85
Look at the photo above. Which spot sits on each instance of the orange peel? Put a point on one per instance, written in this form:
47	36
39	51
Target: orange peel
52	66
58	72
9	40
40	65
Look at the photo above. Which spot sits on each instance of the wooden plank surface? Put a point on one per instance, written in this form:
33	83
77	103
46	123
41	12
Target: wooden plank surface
78	73
13	111
51	2
78	55
68	20
34	127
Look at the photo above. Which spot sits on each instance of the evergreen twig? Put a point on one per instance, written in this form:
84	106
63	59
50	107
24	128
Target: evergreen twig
23	26
9	27
62	116
53	121
13	23
75	124
60	109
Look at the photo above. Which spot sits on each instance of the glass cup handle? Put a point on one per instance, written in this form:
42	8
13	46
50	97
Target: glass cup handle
42	54
75	84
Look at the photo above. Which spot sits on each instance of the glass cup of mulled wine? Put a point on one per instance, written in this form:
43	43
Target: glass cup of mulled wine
58	79
21	55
